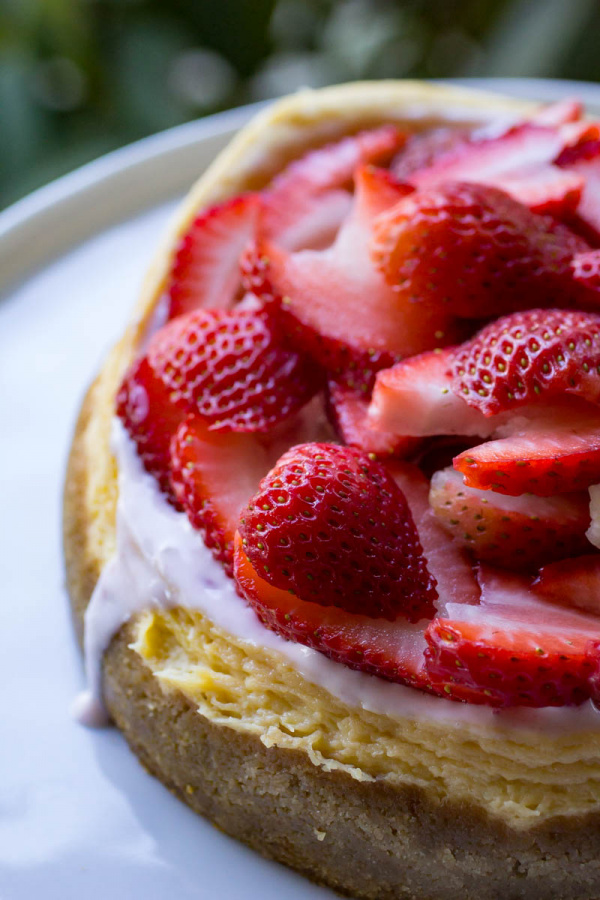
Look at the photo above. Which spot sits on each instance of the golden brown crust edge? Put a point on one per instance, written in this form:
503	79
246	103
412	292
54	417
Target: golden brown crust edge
370	840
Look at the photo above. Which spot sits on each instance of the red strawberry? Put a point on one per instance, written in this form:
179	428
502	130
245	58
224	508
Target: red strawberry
233	368
538	354
519	161
583	160
151	417
586	272
558	453
337	306
391	650
307	221
348	413
512	650
333	165
213	477
447	562
559	113
474	251
422	150
571	582
331	525
205	270
415	397
519	533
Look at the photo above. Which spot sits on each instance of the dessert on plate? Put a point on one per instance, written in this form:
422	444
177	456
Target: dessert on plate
332	505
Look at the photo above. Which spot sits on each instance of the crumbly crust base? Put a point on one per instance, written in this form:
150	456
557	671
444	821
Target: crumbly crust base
367	839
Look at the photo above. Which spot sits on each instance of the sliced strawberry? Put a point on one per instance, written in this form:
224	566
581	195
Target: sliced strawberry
537	354
519	161
586	271
331	525
337	306
571	582
415	397
558	453
519	533
205	269
391	650
583	160
151	417
512	650
473	250
213	477
447	562
348	411
308	221
559	113
333	165
422	150
233	368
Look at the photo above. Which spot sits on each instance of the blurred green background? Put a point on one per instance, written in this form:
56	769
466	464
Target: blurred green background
81	77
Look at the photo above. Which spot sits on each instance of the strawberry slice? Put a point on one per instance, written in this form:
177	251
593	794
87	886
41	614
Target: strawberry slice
332	526
571	582
512	649
205	269
415	397
422	150
391	650
213	476
447	562
558	453
518	533
233	368
559	113
151	416
336	305
519	161
541	353
306	221
348	412
473	250
583	160
333	165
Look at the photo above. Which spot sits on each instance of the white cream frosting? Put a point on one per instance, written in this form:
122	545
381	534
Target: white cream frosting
162	562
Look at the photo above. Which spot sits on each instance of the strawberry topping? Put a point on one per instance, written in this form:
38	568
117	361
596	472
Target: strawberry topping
571	582
213	477
348	411
336	305
519	533
474	251
332	526
205	270
233	368
540	353
512	649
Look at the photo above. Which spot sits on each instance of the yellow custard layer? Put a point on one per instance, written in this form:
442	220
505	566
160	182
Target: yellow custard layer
516	774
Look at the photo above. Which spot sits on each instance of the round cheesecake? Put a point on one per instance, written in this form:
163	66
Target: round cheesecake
373	788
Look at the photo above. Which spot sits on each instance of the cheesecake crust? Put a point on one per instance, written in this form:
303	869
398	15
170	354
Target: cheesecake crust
368	839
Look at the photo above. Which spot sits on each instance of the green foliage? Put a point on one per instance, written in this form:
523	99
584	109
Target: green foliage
81	77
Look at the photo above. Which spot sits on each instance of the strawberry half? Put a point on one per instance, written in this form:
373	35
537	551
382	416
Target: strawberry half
474	251
519	161
571	582
337	307
213	476
583	160
518	533
332	526
512	649
233	368
205	269
560	452
348	412
538	354
391	650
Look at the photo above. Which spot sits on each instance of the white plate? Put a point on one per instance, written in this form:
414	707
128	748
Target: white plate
79	817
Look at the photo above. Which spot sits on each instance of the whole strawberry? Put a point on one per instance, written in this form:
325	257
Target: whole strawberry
332	527
233	368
